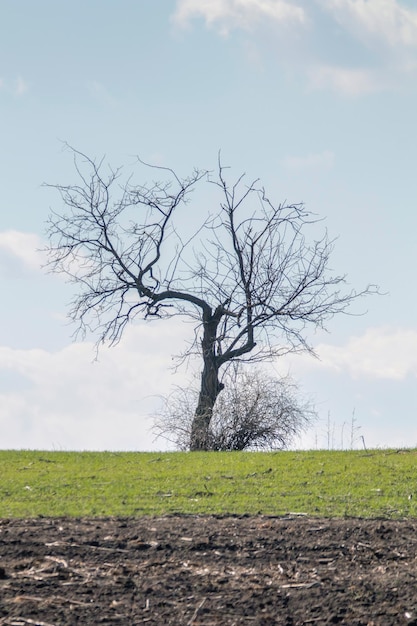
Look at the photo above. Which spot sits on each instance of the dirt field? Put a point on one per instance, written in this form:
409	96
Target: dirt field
207	570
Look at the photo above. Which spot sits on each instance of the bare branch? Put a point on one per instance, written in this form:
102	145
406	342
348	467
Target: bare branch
247	276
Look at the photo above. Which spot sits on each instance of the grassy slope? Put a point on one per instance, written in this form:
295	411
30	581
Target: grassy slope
355	483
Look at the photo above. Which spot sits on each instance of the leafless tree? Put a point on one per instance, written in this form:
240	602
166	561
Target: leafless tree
256	411
245	274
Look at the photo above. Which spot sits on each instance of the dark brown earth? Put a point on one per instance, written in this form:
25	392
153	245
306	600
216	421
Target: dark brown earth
207	570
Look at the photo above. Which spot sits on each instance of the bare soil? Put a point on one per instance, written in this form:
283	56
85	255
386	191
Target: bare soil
206	570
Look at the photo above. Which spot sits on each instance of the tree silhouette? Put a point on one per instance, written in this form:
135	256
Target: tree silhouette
245	274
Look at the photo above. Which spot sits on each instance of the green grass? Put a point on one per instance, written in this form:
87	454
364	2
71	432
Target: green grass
377	483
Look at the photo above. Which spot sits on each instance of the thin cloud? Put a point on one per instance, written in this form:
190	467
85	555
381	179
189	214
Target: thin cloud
347	81
20	86
381	353
319	161
22	246
102	94
17	87
226	15
383	21
381	35
384	27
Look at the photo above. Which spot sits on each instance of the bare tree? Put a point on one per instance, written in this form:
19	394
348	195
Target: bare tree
245	275
256	411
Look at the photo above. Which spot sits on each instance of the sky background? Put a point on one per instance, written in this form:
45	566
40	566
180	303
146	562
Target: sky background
317	98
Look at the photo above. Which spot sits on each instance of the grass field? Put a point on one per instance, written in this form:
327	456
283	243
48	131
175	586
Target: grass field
374	483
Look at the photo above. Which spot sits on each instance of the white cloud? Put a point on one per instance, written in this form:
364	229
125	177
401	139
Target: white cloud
320	161
23	246
378	39
347	81
226	15
63	399
384	27
386	21
371	378
381	353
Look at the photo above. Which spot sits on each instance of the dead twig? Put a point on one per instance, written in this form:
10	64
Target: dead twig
21	621
309	585
195	614
48	601
58	544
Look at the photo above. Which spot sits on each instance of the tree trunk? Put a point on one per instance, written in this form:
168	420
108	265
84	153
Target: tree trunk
209	390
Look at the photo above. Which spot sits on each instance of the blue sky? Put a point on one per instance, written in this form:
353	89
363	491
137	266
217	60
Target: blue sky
318	98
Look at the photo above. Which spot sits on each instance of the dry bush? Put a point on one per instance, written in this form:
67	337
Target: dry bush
255	411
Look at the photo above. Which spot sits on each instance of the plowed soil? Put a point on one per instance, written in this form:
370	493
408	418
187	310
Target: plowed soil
207	570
